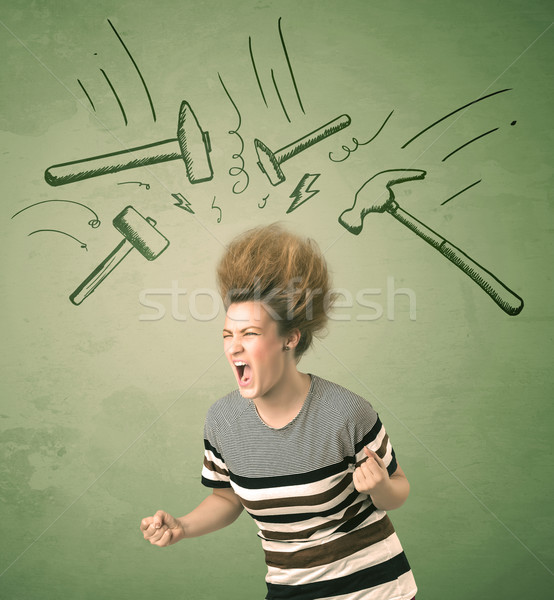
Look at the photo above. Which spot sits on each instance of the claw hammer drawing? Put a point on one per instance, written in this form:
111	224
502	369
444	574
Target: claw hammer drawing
376	196
192	145
270	162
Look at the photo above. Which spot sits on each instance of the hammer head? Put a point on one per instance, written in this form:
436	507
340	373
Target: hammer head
268	163
376	195
195	145
141	232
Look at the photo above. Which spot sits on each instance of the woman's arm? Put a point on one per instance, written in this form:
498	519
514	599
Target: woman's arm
372	478
216	511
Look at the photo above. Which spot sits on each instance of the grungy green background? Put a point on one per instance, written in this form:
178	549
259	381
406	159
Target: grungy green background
103	403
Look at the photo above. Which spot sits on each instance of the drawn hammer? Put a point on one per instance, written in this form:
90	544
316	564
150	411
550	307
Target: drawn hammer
139	233
270	162
376	195
191	145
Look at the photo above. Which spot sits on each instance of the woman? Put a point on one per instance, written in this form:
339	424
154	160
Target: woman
309	460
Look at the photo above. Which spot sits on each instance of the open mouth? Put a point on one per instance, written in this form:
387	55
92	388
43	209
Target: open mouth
244	372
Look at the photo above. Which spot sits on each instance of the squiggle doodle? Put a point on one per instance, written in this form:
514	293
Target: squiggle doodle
219	209
83	245
236	171
94	223
264	200
350	150
139	183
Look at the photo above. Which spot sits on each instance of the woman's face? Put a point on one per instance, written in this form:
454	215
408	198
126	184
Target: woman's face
254	349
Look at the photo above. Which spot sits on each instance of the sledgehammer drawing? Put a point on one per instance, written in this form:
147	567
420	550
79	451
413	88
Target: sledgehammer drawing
139	233
191	145
376	195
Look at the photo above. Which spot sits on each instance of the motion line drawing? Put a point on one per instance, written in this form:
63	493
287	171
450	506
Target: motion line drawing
86	94
116	96
376	195
461	191
136	69
470	142
293	78
192	145
139	233
453	113
270	162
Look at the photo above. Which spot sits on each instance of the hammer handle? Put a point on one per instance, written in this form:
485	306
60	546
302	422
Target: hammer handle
508	300
101	272
114	162
312	138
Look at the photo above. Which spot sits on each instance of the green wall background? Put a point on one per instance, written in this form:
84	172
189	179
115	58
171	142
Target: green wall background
103	407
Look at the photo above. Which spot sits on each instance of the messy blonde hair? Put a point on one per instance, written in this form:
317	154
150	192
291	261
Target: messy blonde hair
285	272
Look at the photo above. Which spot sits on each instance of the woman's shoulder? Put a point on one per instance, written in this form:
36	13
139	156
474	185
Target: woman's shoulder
350	404
227	409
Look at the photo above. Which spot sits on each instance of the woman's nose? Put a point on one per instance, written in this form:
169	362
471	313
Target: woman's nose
235	345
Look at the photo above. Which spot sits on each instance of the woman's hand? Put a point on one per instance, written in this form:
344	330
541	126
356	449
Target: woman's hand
372	478
162	529
371	474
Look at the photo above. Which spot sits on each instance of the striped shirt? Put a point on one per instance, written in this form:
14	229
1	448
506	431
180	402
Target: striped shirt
321	538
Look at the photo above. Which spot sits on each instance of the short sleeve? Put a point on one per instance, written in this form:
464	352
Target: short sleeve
214	471
368	430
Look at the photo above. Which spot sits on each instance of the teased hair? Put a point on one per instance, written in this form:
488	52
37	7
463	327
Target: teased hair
285	272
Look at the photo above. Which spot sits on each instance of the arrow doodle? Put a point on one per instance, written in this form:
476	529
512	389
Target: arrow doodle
139	183
83	245
180	199
94	223
302	192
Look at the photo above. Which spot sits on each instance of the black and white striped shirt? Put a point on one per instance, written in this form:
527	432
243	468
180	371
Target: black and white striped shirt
322	539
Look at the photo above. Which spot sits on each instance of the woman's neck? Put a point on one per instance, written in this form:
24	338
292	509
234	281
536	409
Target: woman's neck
281	405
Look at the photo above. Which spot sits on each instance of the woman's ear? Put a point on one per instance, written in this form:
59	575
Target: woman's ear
293	338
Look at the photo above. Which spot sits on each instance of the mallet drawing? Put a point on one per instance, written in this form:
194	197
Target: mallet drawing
139	233
270	162
192	145
376	195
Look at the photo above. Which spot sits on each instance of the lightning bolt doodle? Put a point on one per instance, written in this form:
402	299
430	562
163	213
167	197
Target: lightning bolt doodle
180	199
302	192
